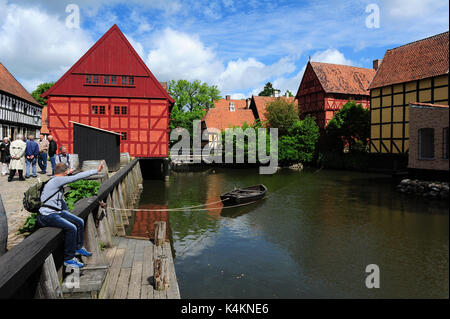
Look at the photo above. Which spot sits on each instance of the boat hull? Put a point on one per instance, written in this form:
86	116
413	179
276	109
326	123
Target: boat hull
244	195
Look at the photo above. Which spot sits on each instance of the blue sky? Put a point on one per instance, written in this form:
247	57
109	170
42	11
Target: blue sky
236	45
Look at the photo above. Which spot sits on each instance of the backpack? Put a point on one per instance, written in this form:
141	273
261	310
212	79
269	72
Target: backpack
32	198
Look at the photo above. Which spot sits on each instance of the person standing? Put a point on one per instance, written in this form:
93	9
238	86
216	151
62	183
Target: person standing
54	213
52	148
42	158
31	155
5	156
17	152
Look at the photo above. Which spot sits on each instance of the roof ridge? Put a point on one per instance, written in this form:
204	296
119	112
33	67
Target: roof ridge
346	65
410	43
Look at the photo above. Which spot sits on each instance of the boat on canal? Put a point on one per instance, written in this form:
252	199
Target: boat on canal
244	195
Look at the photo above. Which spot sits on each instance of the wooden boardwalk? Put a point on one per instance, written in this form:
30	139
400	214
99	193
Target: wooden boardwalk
131	270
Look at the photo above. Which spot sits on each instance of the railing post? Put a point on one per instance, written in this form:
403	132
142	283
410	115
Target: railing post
49	286
3	228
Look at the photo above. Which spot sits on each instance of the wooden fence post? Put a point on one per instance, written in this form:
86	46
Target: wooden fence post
123	212
160	233
161	273
92	243
104	233
117	214
3	228
49	286
110	215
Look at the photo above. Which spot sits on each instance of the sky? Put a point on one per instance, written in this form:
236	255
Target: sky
236	45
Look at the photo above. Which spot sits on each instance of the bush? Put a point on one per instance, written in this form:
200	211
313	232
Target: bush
281	114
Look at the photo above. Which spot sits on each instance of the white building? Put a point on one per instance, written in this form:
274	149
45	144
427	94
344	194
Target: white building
20	113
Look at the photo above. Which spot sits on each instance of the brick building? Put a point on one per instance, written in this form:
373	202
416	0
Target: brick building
326	87
428	138
414	72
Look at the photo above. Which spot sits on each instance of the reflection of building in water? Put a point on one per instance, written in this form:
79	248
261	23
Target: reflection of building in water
143	225
213	196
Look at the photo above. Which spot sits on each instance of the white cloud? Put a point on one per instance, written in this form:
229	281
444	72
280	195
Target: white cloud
177	55
410	9
36	46
331	56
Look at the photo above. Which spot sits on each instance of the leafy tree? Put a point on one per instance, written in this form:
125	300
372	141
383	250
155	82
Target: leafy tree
349	127
192	99
268	90
43	87
281	114
299	144
289	93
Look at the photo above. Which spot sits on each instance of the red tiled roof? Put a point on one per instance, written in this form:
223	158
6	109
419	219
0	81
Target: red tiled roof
221	117
346	79
262	101
414	61
9	84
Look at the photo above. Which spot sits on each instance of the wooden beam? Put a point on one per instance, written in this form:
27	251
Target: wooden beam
49	286
160	233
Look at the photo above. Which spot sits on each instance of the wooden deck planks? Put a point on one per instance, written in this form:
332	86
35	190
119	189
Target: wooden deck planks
131	270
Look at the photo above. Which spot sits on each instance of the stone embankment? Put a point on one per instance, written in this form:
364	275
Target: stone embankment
425	189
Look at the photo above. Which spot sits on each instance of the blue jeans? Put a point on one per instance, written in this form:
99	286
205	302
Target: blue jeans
33	165
73	227
53	161
42	162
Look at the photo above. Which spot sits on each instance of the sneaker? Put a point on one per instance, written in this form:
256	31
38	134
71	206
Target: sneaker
83	252
73	263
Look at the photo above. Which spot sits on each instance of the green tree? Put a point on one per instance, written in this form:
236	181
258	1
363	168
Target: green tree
43	87
349	127
192	99
299	144
281	114
268	90
289	93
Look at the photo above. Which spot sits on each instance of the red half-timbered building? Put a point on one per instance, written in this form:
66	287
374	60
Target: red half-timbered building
111	88
326	87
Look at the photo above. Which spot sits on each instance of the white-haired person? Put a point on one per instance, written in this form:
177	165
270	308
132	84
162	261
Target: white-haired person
17	162
5	156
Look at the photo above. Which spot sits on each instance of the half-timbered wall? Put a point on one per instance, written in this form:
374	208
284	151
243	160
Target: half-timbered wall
389	111
18	116
143	123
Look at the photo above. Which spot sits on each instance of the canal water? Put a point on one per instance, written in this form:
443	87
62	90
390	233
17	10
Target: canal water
312	237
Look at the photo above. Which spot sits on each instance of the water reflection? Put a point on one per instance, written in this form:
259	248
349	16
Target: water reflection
314	235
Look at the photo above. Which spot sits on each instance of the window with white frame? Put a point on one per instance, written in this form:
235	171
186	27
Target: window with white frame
232	108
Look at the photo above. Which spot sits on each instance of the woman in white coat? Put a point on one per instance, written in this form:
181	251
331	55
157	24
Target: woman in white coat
17	152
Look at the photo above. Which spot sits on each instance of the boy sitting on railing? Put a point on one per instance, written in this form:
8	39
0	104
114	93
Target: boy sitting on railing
56	214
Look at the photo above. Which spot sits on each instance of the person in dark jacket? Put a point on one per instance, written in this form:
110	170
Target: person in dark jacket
52	148
5	156
31	155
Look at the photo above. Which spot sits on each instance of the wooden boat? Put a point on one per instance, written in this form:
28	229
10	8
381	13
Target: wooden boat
244	195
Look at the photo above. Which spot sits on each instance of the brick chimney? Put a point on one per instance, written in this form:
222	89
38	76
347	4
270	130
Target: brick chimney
377	63
228	97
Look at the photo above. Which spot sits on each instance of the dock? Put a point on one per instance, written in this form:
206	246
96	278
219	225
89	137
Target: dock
131	271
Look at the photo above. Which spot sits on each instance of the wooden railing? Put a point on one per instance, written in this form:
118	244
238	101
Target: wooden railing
21	267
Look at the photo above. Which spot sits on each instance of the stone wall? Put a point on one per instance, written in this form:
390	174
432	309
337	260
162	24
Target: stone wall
425	189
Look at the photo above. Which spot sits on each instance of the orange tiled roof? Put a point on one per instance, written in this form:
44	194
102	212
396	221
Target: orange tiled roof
346	79
221	117
262	101
414	61
9	84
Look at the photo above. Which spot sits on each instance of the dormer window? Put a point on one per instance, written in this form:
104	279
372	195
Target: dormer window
232	108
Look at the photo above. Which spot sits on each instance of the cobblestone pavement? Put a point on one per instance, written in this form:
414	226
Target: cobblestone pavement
12	196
